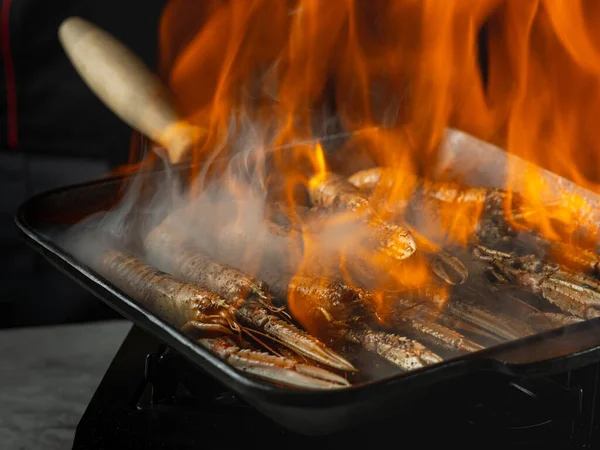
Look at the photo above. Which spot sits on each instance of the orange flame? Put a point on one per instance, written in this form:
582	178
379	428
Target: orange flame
397	73
412	65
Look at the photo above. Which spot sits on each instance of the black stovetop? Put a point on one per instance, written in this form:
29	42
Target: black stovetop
150	398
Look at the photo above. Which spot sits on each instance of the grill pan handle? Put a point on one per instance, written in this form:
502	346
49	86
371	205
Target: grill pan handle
126	86
567	348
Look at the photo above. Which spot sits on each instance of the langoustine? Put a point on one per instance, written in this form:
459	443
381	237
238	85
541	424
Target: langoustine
329	189
250	296
338	311
500	214
442	263
568	291
207	318
490	205
331	307
571	256
283	284
459	314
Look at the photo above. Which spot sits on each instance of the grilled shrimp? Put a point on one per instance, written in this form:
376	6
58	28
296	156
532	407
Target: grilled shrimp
269	367
183	305
392	240
488	204
442	263
499	213
500	324
458	314
250	297
572	256
165	249
323	304
417	312
401	351
206	317
336	311
565	290
437	334
445	265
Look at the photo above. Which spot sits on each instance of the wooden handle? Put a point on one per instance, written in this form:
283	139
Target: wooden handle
124	83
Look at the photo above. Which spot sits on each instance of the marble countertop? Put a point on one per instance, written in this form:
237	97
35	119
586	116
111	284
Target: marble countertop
47	378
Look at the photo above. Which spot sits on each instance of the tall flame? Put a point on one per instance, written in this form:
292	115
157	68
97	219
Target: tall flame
412	65
522	74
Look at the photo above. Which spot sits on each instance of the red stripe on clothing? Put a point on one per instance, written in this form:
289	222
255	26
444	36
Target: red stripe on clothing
9	74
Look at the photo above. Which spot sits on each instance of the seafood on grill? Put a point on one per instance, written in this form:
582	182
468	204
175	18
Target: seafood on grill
500	214
334	299
490	205
401	351
423	325
250	297
271	367
209	319
336	311
498	323
442	263
572	256
191	265
434	333
330	189
572	293
461	315
329	307
333	303
446	266
478	334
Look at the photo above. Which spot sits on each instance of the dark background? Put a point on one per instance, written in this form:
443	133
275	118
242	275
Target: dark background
65	136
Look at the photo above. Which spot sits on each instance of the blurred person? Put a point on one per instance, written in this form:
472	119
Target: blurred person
55	132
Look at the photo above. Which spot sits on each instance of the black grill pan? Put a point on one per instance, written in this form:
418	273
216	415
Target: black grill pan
307	412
